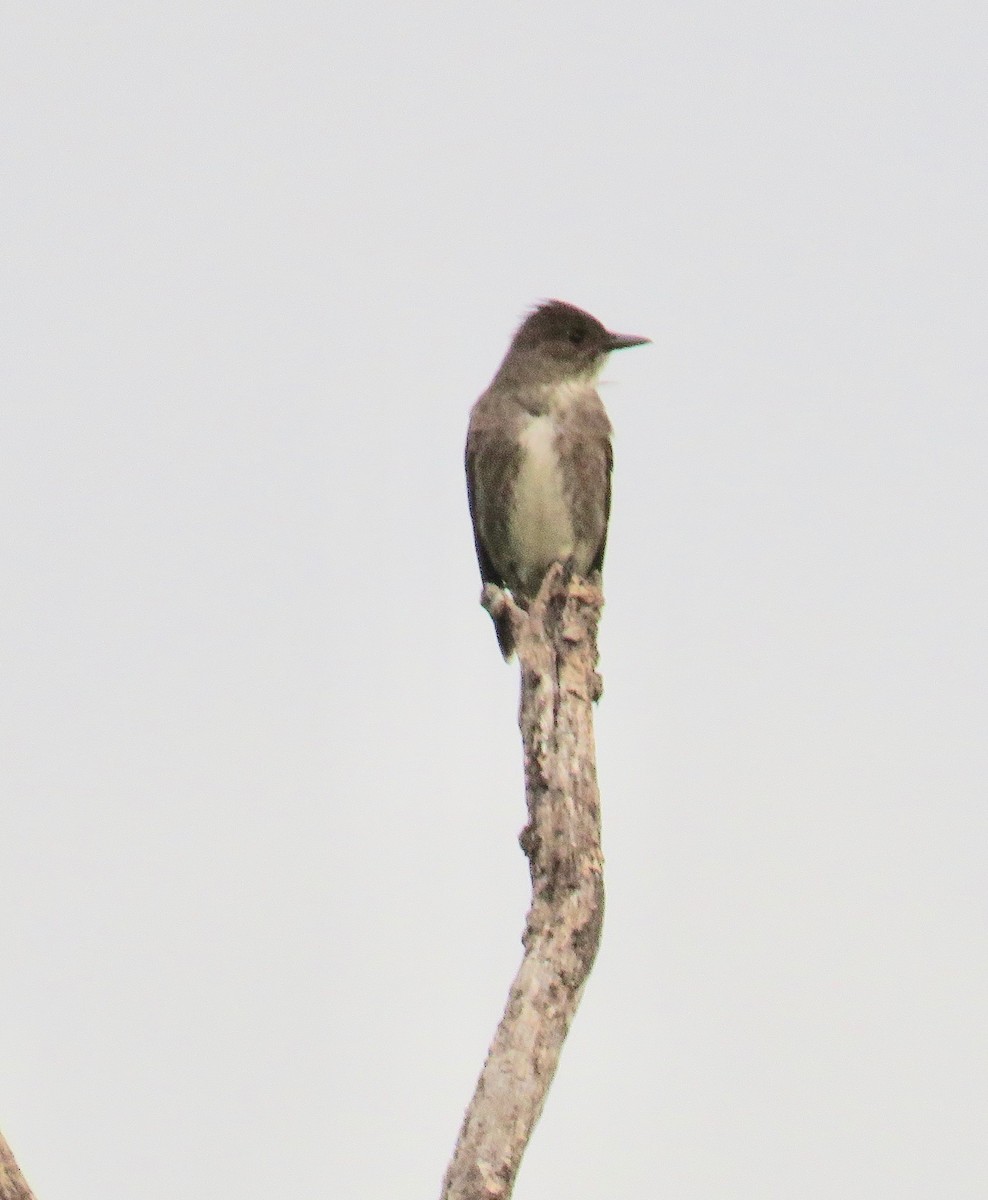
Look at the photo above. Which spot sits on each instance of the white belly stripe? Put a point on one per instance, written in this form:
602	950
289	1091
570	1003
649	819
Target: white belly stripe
541	528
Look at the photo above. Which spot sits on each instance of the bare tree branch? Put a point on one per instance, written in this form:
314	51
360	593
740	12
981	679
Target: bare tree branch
557	647
13	1185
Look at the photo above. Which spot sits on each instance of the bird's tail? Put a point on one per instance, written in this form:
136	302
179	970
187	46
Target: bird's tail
505	634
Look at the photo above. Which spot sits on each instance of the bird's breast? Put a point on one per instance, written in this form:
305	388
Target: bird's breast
541	519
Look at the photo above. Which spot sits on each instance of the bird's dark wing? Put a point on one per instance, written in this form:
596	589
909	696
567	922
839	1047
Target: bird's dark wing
492	455
488	572
491	464
584	446
598	562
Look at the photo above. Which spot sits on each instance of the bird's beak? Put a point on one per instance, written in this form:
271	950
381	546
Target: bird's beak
621	341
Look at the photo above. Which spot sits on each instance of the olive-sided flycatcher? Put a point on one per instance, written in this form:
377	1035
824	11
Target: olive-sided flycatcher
539	455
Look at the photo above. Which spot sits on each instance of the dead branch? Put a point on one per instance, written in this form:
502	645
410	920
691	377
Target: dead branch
13	1185
557	648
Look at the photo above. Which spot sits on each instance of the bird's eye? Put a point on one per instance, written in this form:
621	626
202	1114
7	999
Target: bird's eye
576	336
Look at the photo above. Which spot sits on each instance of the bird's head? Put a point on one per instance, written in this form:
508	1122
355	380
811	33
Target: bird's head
566	340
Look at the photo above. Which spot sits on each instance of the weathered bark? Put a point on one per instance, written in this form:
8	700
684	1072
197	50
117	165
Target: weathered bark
13	1185
557	648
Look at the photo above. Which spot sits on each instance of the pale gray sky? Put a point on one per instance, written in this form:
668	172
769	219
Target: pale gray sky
260	895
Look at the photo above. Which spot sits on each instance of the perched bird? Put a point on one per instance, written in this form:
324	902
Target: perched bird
538	455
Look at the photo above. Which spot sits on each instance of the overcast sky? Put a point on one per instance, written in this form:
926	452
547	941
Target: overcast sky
260	893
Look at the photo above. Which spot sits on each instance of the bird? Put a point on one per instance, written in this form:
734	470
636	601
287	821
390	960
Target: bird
539	457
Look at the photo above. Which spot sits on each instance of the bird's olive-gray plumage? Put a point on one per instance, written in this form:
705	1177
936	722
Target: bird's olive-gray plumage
538	455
